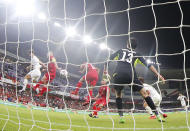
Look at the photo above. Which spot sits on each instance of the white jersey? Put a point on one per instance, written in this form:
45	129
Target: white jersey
152	90
35	62
182	99
35	73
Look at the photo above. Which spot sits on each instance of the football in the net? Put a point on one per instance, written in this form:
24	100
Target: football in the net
64	72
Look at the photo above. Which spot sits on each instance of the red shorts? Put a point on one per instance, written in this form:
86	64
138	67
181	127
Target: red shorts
52	76
91	77
100	101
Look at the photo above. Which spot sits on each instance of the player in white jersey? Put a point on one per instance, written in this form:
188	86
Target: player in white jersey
35	73
155	97
183	100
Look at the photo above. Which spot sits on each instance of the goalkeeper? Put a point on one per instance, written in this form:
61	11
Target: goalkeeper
125	74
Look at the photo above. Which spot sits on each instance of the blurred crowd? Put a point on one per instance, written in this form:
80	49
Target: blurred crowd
8	93
11	70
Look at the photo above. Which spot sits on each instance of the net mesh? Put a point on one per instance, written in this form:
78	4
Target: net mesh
110	22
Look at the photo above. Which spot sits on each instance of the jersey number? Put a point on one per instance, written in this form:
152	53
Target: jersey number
129	59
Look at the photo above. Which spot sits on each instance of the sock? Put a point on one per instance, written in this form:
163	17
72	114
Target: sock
148	109
96	109
151	104
90	92
38	85
79	85
44	89
159	110
119	106
88	97
25	84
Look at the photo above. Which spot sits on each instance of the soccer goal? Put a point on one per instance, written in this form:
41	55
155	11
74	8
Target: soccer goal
48	48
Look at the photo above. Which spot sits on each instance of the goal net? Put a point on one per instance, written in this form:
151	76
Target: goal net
89	31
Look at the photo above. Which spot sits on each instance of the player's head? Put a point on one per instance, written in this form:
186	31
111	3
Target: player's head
50	55
83	66
141	79
104	81
180	94
30	52
132	43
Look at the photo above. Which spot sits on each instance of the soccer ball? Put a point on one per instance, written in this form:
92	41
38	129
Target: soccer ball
64	72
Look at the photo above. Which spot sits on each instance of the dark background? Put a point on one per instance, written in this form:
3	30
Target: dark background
165	36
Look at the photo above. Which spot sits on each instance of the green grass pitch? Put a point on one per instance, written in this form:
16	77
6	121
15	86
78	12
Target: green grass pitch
11	115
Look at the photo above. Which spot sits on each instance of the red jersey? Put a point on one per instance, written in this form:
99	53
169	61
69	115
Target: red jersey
52	68
51	65
103	91
91	67
51	73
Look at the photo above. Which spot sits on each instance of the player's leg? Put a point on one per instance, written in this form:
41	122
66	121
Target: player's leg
119	100
90	91
118	93
157	101
150	103
183	104
147	98
47	79
79	85
96	107
119	78
149	110
35	76
161	112
139	87
43	81
89	96
92	78
25	82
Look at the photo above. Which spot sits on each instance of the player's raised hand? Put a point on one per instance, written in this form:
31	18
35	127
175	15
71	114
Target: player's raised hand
28	68
162	78
106	75
44	70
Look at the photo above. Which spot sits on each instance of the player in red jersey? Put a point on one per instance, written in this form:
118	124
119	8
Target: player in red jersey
48	76
91	77
102	98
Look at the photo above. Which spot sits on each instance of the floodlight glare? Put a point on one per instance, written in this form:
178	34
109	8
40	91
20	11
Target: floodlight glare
42	16
25	7
103	46
70	31
7	1
149	61
57	24
87	39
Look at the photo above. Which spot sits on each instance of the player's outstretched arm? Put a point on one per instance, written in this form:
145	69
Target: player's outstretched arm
108	95
153	69
96	97
55	62
28	67
114	56
41	63
150	66
186	98
83	68
178	98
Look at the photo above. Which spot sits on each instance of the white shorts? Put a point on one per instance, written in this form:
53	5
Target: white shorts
183	104
157	101
35	74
